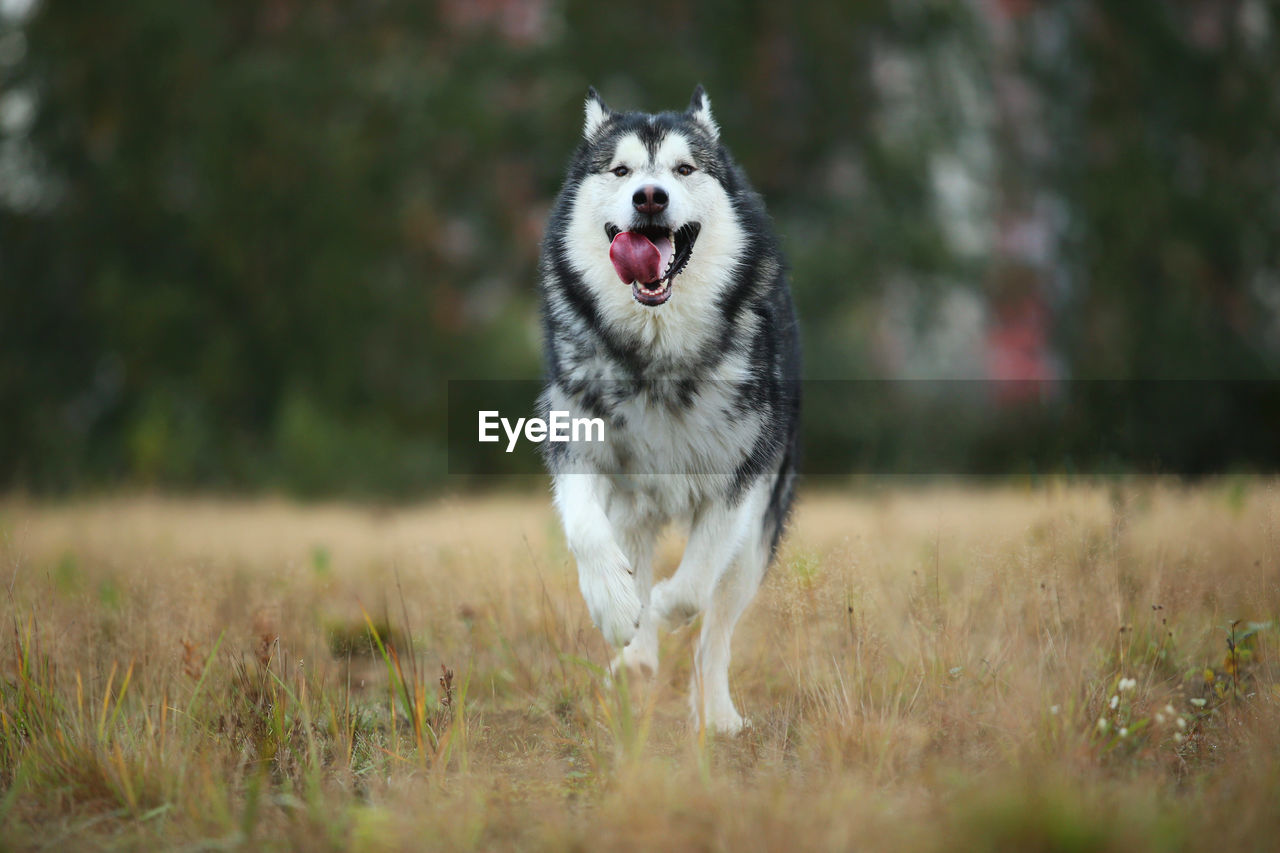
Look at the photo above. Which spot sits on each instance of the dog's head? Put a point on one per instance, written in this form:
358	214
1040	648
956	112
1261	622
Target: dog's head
651	194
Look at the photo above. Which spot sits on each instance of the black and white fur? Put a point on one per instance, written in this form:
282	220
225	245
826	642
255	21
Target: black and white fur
700	394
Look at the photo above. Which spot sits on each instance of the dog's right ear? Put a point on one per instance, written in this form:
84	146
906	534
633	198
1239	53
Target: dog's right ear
700	111
598	113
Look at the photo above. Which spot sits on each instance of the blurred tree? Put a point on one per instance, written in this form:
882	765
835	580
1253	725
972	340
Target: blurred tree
272	230
244	244
1169	177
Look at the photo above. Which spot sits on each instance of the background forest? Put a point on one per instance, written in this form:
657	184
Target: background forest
245	245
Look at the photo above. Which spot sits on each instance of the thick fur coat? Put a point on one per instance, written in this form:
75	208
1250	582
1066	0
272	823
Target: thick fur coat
667	313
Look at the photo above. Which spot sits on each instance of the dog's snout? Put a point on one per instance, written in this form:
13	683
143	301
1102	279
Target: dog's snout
650	199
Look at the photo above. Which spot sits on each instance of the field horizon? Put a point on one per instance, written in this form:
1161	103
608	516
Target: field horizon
1069	666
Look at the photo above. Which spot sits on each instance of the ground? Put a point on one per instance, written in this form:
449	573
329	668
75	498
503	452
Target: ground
1048	666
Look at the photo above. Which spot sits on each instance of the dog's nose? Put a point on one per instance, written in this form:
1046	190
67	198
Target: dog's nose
650	199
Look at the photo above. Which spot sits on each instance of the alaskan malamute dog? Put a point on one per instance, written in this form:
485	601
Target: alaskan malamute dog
666	313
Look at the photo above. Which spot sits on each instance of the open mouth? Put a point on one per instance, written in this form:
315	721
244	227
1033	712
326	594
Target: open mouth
649	257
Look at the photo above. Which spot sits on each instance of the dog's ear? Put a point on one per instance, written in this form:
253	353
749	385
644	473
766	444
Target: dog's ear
700	111
598	113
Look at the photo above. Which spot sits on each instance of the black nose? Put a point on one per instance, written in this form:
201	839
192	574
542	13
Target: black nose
650	199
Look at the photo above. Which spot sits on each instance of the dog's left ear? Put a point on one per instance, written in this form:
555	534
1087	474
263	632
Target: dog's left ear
700	111
598	113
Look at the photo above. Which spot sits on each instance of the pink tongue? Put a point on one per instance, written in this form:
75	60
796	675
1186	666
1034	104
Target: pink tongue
636	258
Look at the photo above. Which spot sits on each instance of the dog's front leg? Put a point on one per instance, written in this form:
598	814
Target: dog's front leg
604	573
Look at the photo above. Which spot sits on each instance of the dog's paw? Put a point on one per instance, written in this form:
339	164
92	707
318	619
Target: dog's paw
638	660
618	625
610	593
725	721
734	724
671	606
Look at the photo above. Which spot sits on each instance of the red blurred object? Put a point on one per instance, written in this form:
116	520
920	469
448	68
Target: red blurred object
1015	8
1017	351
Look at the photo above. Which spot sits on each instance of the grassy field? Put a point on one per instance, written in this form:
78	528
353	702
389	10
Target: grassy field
930	669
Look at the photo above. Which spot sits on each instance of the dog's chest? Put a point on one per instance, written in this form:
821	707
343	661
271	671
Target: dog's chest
692	429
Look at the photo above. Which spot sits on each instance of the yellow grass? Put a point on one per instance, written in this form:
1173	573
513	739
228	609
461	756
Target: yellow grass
924	669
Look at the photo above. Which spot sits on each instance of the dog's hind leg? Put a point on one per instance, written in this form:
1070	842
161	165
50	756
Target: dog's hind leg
709	692
718	531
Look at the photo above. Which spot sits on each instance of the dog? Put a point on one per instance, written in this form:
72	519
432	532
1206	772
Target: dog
667	312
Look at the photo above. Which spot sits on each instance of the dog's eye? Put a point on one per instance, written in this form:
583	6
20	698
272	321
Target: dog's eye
621	171
685	169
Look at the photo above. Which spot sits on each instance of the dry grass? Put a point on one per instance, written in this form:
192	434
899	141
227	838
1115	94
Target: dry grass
925	669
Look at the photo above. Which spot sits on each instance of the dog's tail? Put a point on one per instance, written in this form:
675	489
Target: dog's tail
783	495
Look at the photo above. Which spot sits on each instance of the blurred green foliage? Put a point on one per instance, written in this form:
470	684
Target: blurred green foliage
266	234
